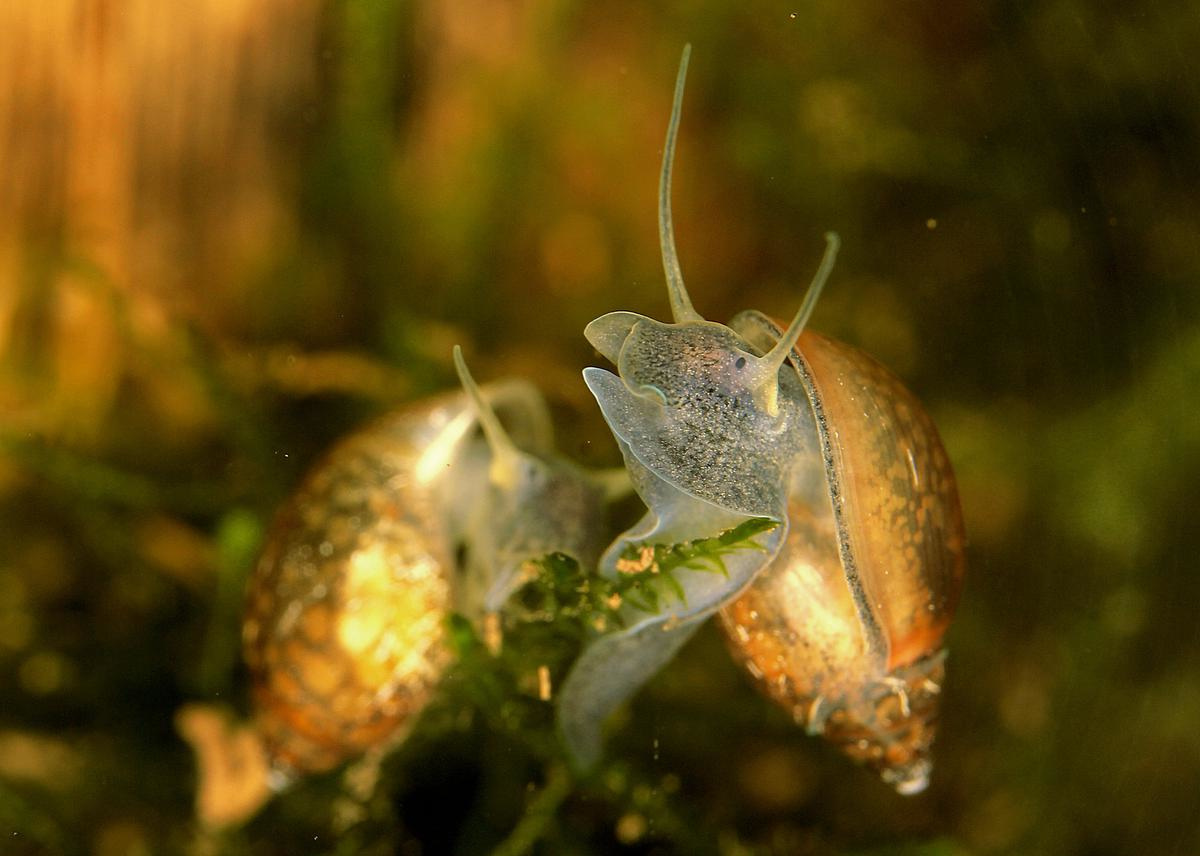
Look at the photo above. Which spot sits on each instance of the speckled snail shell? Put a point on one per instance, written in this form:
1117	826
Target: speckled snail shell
343	626
343	632
845	627
840	610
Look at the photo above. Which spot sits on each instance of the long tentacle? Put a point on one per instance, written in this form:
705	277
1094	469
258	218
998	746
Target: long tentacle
681	304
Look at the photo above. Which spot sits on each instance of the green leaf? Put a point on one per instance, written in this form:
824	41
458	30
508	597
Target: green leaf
647	569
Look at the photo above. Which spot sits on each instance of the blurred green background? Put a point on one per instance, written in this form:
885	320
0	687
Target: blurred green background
231	230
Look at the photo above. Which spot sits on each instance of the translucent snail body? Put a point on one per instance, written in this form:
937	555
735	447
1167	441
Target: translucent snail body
840	606
413	517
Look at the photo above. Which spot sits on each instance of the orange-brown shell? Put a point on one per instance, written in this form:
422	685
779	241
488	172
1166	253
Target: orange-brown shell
845	627
344	619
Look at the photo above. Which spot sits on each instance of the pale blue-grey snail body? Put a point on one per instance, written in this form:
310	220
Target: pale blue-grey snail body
840	611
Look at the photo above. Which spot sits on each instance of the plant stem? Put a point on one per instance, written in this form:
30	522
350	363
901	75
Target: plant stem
538	814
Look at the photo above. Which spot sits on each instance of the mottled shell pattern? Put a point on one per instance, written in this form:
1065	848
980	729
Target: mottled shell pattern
343	633
841	613
870	574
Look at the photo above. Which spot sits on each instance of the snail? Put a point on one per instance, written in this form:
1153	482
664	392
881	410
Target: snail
535	504
408	519
840	610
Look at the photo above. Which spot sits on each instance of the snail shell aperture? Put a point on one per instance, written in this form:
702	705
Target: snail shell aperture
844	628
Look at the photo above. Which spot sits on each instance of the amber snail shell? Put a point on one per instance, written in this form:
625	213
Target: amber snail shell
844	629
343	631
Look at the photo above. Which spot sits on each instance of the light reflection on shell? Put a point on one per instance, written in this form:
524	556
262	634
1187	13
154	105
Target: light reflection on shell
844	629
797	633
343	634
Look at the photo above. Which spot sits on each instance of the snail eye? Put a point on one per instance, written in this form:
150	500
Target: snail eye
740	364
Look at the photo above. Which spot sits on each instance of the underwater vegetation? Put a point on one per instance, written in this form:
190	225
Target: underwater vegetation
238	244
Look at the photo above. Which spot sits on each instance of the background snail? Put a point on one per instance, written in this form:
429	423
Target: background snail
843	605
344	620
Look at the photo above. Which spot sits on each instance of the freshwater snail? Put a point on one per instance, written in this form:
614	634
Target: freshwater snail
404	521
841	610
